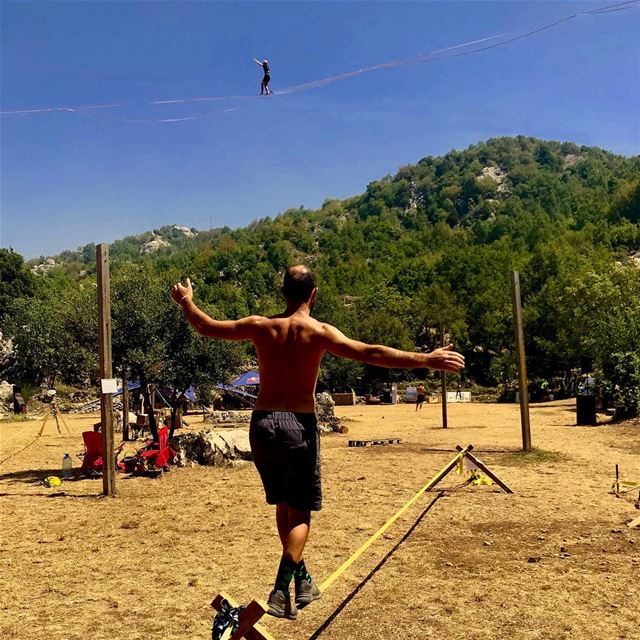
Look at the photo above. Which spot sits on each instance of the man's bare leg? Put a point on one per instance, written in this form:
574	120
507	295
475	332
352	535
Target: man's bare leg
293	529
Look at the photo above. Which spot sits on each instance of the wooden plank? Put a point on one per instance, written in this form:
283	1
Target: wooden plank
248	619
522	366
254	631
104	353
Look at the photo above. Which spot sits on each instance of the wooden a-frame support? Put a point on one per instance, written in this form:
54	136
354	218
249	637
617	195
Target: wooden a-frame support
483	467
248	619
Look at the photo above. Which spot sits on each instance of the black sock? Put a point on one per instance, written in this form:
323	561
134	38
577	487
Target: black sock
286	571
301	572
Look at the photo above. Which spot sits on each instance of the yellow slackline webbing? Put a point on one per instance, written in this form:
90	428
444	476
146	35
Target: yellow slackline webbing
347	563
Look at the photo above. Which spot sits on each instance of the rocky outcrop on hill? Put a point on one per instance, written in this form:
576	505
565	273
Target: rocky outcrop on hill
153	245
499	176
44	267
190	233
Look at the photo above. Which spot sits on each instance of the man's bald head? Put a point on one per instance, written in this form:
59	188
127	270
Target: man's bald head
299	283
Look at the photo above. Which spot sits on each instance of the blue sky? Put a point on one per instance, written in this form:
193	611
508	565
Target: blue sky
69	178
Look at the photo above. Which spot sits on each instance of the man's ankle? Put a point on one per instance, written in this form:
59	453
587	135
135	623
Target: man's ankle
286	571
301	572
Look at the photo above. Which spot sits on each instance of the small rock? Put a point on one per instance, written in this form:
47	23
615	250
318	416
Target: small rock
449	564
193	582
534	559
486	543
541	538
616	530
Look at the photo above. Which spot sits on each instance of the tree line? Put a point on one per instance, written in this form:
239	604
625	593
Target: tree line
432	246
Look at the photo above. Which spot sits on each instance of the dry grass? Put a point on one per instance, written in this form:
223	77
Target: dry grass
554	560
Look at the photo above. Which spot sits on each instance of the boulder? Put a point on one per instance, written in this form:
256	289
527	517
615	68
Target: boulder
6	391
6	349
118	420
325	411
6	397
229	417
213	448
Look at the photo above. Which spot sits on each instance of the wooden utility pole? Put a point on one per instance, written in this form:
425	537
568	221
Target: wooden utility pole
522	365
444	388
125	407
104	349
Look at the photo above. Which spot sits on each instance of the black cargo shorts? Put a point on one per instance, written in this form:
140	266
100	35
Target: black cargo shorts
286	452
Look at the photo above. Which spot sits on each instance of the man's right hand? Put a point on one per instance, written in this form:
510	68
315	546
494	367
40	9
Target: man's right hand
181	292
444	359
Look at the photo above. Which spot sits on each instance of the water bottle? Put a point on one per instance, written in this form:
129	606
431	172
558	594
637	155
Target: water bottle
67	466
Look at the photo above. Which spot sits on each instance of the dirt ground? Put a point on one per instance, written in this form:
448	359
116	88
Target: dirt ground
554	560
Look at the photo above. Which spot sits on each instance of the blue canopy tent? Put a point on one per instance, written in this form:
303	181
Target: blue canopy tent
235	387
248	379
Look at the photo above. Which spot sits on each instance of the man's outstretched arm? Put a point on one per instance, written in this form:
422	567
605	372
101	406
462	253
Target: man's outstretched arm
443	359
243	329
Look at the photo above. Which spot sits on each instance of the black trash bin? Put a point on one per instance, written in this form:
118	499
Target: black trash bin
586	410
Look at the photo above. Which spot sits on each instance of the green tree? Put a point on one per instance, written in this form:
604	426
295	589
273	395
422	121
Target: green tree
16	281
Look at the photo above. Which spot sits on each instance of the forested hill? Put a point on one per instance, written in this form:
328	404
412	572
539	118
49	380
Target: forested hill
433	245
484	192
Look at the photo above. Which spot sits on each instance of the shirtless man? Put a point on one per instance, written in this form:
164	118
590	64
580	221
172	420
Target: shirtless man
283	432
421	396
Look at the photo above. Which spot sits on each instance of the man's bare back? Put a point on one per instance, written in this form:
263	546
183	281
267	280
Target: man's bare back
290	349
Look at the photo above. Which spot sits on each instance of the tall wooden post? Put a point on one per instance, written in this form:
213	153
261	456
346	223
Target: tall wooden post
125	407
444	389
522	365
104	348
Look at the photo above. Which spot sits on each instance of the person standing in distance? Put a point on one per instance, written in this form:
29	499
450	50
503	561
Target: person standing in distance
264	85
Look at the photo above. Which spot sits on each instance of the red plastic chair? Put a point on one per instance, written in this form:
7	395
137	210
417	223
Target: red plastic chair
158	454
92	460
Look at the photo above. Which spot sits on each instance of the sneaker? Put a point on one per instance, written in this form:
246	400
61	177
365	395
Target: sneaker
306	592
280	605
